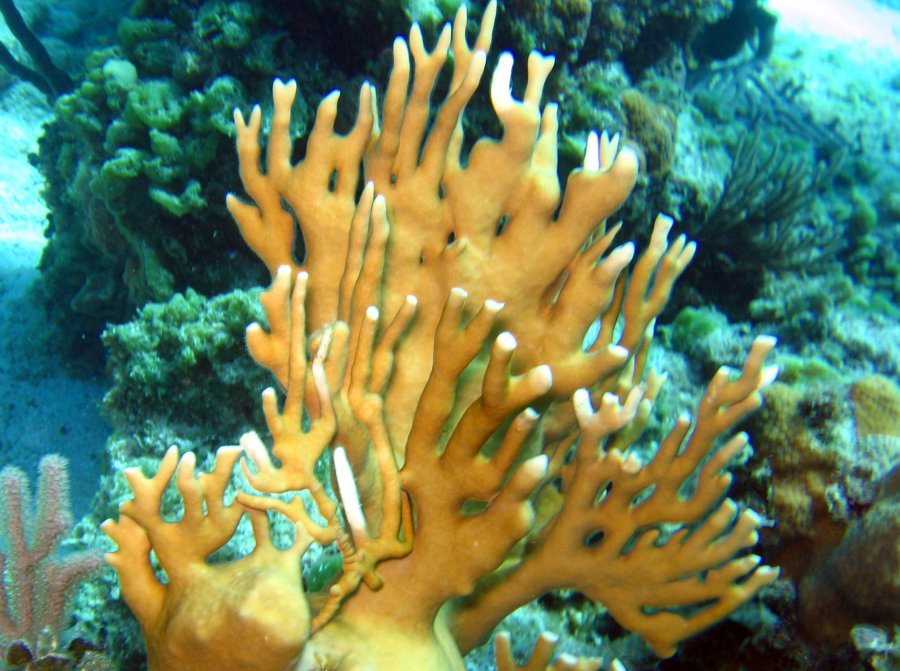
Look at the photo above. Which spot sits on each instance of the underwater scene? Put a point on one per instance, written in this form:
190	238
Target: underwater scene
540	335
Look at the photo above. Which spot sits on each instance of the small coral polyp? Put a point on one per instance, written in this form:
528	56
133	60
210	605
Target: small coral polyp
439	358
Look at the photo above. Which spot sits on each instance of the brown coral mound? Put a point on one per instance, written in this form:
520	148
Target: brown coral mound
876	401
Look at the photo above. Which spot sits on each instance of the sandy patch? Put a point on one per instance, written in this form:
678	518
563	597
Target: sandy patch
861	24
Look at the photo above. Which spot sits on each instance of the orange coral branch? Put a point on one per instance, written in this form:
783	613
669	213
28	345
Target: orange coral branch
430	343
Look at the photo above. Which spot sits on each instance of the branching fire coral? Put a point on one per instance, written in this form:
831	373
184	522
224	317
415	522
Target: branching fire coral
433	344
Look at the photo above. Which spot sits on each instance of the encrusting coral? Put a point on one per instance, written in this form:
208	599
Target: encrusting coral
432	345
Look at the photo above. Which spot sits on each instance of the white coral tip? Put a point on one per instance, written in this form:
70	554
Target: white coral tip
252	443
609	148
769	373
542	377
501	89
768	341
622	255
506	341
581	401
493	306
459	293
753	517
348	491
632	464
536	467
618	351
592	152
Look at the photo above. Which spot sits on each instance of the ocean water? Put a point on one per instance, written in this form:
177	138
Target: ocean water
780	157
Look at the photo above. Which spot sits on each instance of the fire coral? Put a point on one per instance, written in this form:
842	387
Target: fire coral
433	346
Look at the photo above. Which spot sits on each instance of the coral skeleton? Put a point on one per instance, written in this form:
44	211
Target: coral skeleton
432	345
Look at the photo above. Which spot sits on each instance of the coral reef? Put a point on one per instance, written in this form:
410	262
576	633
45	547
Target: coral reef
644	33
653	127
876	404
790	193
157	360
431	346
763	221
136	158
832	491
135	179
860	579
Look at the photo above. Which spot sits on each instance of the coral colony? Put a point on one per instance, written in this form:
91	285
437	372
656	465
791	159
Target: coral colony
431	346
